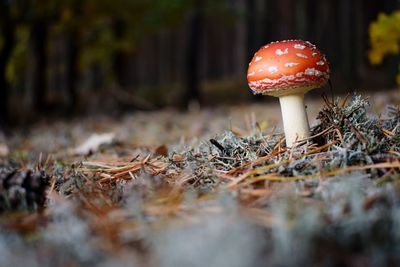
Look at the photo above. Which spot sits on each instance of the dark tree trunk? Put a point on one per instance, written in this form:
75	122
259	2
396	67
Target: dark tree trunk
121	57
39	48
192	81
346	44
213	42
301	23
7	33
72	70
286	15
269	21
251	28
251	34
8	39
359	41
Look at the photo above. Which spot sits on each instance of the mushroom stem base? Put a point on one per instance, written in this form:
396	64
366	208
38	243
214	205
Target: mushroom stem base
295	121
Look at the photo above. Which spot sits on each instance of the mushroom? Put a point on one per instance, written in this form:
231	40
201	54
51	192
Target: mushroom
288	70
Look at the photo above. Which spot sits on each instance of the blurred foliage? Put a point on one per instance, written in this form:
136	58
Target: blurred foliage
17	66
385	38
101	27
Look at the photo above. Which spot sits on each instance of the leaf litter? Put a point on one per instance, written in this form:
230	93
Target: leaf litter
332	199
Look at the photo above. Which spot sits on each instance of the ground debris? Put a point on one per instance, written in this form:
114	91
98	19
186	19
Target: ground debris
330	200
347	139
93	143
22	189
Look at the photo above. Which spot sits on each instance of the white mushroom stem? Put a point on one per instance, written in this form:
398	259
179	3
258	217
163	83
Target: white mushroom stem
295	121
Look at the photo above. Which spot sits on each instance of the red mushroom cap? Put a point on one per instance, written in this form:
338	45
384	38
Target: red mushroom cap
287	67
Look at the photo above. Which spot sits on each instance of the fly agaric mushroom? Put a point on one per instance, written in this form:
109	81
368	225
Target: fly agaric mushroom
288	70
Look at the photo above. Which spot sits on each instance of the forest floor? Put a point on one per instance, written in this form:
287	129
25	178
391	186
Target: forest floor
212	187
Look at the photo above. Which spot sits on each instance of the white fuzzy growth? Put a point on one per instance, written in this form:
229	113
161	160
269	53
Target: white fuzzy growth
299	46
318	73
272	69
301	55
294	116
291	64
310	71
279	52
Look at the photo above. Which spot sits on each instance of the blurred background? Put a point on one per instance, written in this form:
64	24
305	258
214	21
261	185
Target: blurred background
74	57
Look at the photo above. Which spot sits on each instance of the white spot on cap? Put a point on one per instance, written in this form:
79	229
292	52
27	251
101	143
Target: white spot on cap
258	59
272	69
279	52
314	54
320	63
301	55
251	74
291	64
260	70
299	46
290	77
299	75
310	71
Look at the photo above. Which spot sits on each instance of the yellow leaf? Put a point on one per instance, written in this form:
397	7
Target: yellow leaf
384	37
375	57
